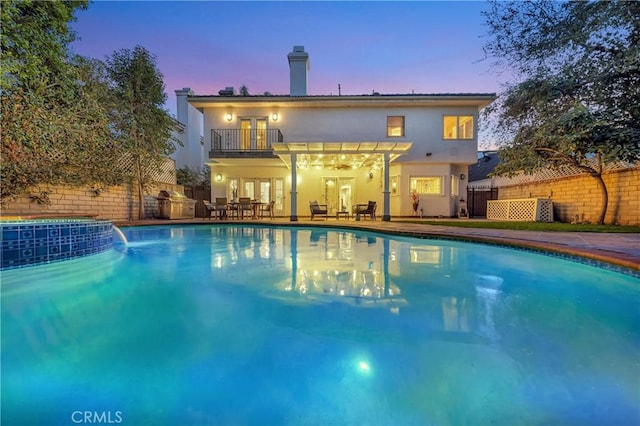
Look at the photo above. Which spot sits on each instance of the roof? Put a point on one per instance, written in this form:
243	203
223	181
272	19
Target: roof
387	100
485	165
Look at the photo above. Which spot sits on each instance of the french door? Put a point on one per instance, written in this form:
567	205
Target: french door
253	134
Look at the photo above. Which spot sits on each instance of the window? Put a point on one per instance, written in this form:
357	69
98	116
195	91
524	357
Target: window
427	185
455	186
457	127
250	189
279	195
233	189
395	126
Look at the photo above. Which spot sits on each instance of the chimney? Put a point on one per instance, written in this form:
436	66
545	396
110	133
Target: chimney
298	67
183	105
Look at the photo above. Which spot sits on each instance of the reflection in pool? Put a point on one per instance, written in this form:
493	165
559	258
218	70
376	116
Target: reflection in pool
265	325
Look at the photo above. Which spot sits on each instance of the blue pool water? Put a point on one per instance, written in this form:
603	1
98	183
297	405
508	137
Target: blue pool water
240	325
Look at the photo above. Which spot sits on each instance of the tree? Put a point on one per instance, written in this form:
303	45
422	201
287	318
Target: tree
244	90
141	125
576	99
54	120
193	177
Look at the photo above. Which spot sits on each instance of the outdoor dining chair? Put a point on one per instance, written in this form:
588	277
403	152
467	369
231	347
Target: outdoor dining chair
221	207
245	206
209	208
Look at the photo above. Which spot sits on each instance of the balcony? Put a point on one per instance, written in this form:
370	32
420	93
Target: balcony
244	140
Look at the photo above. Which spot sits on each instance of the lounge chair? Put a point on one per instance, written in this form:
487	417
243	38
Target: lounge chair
317	209
267	208
370	210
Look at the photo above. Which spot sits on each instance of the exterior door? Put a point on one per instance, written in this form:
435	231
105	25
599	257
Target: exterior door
331	199
346	194
265	191
261	133
245	134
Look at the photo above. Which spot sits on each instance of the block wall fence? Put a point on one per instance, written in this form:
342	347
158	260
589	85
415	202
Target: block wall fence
573	197
115	203
578	197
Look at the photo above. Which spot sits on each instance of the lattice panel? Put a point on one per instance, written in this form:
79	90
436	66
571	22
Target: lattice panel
497	210
167	173
554	173
522	210
544	211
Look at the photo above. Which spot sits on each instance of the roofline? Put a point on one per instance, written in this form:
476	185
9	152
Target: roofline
441	99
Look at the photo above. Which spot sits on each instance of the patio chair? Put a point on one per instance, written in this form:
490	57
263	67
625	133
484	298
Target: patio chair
267	208
221	207
318	209
209	208
370	210
244	205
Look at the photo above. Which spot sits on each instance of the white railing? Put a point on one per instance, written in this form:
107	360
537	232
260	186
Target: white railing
523	210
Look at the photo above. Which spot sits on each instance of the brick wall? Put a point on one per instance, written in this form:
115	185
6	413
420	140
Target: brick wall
115	203
579	196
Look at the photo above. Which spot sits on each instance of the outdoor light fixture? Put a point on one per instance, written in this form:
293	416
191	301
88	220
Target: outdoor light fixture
219	177
229	116
274	116
462	176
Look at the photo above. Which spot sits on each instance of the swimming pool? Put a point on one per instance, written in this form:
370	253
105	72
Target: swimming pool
232	324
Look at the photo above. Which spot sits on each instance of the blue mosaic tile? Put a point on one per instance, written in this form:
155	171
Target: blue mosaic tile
45	241
8	235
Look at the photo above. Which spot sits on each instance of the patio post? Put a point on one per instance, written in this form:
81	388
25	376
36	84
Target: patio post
386	216
294	189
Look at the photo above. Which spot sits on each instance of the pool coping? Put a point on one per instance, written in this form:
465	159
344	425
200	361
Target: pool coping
540	242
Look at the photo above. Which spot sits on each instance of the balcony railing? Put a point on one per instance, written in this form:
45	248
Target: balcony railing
244	139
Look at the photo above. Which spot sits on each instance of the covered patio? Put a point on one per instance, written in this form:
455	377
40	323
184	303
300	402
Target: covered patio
360	157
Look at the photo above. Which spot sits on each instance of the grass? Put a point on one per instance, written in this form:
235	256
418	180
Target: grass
529	226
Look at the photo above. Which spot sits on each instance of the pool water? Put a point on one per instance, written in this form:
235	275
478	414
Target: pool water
243	325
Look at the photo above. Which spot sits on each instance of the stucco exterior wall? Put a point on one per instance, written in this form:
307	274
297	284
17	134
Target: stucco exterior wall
192	153
579	197
423	127
430	155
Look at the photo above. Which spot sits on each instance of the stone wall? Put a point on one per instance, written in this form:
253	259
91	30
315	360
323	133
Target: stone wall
578	197
115	203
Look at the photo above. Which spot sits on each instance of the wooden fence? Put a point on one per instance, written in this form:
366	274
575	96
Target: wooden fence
199	193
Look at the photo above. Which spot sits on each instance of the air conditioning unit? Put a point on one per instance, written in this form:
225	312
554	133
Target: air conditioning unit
227	91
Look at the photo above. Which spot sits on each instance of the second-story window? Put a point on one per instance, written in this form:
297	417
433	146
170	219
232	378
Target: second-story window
457	127
395	126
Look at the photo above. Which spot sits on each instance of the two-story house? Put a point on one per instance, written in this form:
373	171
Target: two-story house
339	150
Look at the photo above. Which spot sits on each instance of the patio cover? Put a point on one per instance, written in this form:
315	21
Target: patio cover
351	151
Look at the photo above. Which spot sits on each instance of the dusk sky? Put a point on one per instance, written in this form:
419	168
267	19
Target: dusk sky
365	46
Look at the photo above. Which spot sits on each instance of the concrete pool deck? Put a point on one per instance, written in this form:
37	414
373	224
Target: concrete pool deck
621	249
